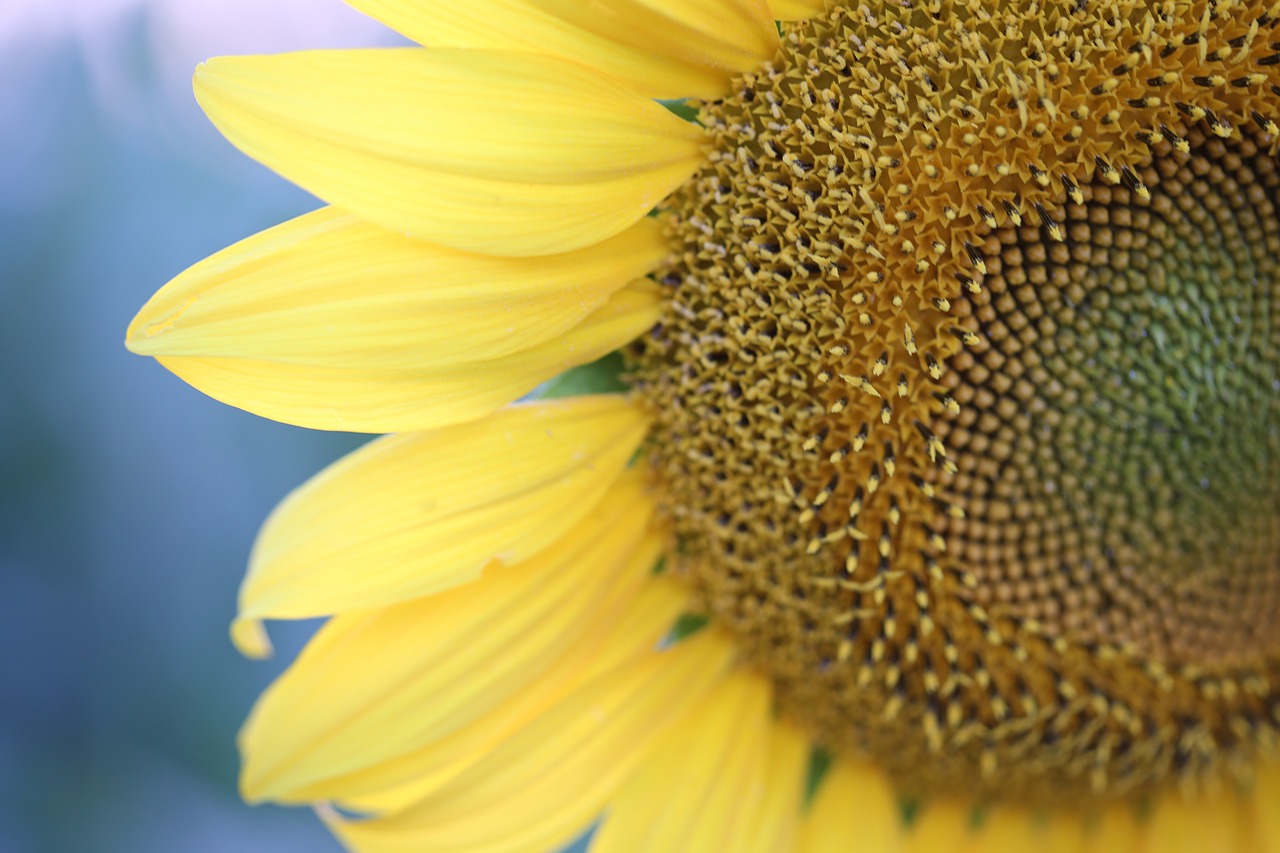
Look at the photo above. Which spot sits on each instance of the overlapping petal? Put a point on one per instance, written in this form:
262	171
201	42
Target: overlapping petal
620	633
375	685
556	28
494	152
737	35
331	323
414	514
704	788
330	289
544	785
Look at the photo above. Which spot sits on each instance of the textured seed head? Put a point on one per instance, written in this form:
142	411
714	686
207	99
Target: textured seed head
966	398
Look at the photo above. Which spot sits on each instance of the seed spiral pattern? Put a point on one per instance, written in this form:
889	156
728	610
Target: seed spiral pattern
965	397
1119	438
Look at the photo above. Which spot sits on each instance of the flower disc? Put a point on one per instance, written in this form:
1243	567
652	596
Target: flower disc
966	396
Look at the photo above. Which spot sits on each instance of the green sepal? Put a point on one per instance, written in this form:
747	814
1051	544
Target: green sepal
603	376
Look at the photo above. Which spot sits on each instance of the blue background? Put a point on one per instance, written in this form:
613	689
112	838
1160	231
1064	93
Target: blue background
128	501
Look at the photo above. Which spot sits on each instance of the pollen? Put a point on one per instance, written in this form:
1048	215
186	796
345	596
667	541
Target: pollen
966	399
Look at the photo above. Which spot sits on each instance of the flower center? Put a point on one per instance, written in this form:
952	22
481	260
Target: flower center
966	398
1119	435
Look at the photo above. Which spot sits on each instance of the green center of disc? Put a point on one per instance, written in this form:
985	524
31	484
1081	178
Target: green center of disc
1119	446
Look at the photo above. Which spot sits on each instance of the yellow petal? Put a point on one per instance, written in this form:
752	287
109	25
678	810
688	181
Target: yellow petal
942	825
542	787
1117	831
620	635
1266	807
1014	829
1006	830
373	686
494	152
388	399
1061	833
327	289
797	10
776	823
702	789
1192	825
410	515
855	809
737	35
532	26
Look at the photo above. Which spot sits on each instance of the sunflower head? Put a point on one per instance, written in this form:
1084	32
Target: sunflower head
950	423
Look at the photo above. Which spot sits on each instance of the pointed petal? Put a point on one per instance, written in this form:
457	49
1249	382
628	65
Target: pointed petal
855	808
702	789
543	786
533	26
328	289
487	151
620	636
388	399
409	515
372	686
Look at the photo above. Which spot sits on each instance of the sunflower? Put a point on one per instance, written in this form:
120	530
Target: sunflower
931	504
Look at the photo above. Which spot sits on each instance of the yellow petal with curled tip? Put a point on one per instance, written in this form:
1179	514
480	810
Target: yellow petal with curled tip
542	787
855	808
388	399
532	26
329	289
372	686
702	789
494	152
797	10
620	635
409	515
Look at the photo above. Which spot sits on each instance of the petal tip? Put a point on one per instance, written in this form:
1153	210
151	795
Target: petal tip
250	638
135	337
148	327
252	789
137	342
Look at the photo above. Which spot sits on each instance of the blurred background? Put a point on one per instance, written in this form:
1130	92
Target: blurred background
128	501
